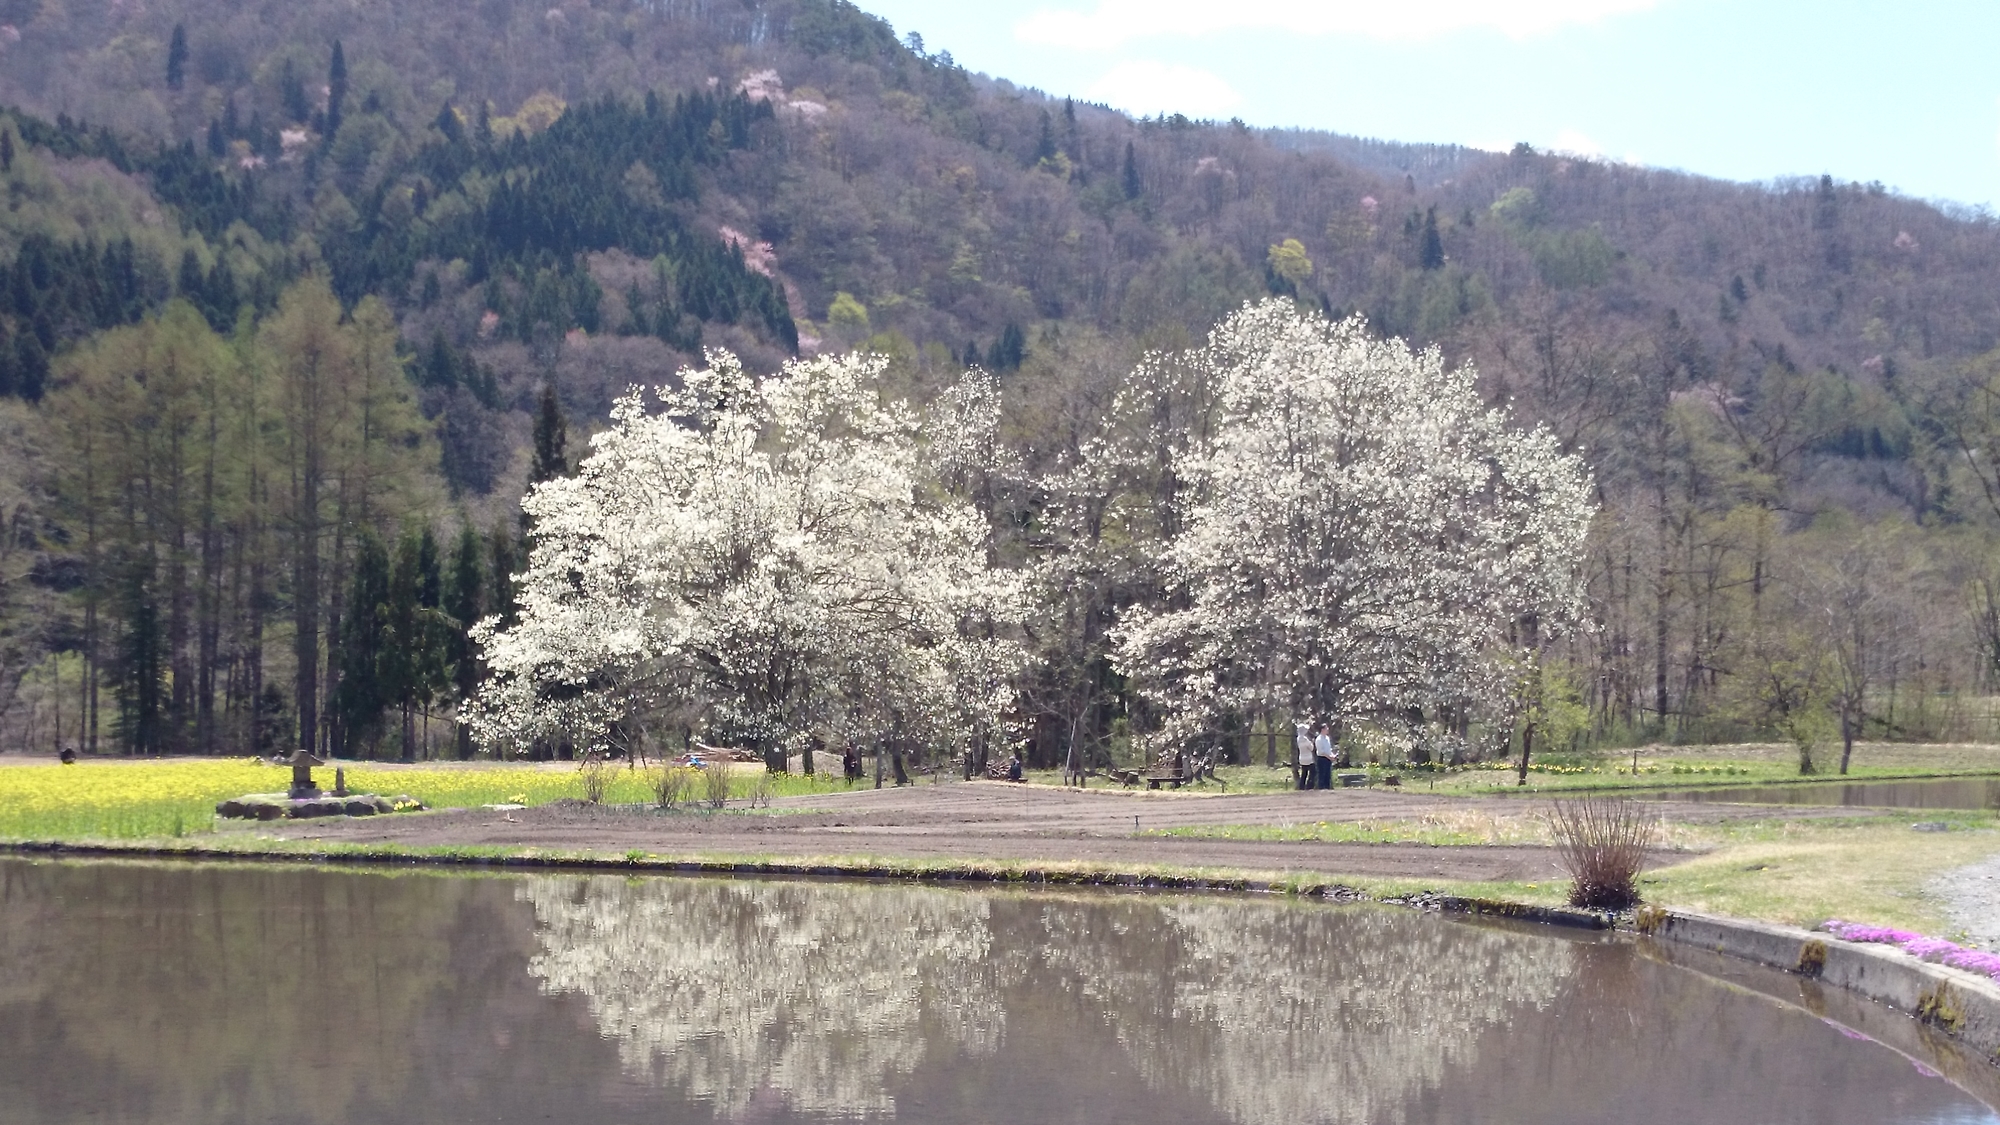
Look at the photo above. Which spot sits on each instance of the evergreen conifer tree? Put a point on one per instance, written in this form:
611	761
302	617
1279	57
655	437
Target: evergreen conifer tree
1430	251
501	563
551	432
447	123
362	695
177	56
336	89
465	604
1131	175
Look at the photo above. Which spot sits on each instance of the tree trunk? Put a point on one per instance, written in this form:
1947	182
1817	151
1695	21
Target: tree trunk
1527	746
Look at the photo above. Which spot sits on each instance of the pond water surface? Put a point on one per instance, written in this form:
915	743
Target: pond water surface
1947	793
170	993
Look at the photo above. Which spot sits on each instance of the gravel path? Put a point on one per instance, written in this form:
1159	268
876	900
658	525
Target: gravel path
1971	897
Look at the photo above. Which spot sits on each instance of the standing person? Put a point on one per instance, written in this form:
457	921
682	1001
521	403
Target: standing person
1323	757
1305	765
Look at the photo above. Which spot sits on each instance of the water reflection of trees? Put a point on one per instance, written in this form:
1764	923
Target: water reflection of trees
826	994
1273	1013
1287	1014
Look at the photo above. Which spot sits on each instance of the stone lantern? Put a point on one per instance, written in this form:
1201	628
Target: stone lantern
302	765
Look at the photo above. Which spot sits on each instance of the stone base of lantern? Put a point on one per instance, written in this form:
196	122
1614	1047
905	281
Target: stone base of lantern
283	806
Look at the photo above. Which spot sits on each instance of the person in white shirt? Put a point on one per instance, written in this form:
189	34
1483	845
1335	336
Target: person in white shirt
1305	770
1323	757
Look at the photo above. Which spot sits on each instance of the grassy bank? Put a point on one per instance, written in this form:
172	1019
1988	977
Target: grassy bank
1649	767
1873	867
123	800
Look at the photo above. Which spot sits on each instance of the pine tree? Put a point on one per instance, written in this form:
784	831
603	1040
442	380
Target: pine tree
447	123
190	281
292	92
31	366
336	89
177	57
6	150
1045	148
551	432
501	561
362	694
1131	173
218	145
141	672
440	367
1430	252
464	604
1007	352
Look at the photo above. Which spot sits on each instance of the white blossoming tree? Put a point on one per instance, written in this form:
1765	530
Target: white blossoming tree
768	560
1358	534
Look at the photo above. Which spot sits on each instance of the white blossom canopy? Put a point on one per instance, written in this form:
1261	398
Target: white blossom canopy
1358	532
780	558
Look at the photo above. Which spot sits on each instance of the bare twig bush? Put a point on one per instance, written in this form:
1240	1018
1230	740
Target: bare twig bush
762	788
715	783
673	785
1603	843
596	779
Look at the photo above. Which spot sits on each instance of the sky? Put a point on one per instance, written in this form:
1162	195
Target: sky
1905	93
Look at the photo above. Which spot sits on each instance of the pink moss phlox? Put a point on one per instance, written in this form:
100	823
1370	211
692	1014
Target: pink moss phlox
1936	950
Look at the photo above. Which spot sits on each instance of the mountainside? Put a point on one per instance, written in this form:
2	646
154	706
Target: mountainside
1765	379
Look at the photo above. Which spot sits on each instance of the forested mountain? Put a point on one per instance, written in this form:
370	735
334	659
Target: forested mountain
296	299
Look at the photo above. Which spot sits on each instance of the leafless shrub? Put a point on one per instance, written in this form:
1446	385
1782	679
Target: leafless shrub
762	788
1603	842
596	779
715	783
672	785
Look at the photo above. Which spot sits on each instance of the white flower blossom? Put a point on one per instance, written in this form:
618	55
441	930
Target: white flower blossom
776	559
1358	533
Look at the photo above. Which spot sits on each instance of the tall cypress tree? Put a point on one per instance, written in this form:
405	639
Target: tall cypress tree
1131	177
1430	252
361	696
177	57
336	89
501	561
464	602
551	433
141	670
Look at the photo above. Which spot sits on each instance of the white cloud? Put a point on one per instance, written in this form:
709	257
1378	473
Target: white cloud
1569	142
1145	87
1113	23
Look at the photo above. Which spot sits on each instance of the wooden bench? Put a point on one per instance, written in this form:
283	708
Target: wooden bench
1177	769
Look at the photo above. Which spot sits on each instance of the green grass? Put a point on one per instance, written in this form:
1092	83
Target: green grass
177	797
1658	767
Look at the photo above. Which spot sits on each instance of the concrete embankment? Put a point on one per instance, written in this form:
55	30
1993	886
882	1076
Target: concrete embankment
1964	1005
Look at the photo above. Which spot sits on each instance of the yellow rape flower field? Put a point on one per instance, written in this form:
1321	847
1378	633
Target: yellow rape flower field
138	799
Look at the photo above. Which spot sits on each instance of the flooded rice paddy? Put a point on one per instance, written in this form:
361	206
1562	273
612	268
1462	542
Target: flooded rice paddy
181	993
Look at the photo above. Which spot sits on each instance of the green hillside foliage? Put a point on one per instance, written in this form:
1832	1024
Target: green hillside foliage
1787	391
